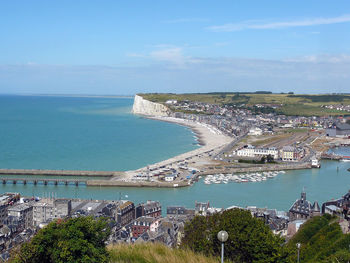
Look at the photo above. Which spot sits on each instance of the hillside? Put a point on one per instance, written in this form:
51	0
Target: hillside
288	104
322	240
155	253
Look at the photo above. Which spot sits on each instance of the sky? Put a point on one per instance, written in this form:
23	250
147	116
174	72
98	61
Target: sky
127	47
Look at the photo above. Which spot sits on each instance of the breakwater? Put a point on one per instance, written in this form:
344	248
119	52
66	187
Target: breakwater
60	172
256	168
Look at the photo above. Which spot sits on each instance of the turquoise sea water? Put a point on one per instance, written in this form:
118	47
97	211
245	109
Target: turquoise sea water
83	134
331	181
104	127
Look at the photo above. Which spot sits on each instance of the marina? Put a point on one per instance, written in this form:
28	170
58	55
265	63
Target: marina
241	178
330	181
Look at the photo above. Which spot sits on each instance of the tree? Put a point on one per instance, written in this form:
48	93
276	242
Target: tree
80	239
250	240
269	158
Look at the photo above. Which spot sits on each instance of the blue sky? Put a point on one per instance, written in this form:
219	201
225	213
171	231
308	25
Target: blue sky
125	47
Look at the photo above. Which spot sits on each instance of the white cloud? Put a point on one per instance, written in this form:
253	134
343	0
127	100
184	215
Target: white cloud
173	55
180	73
324	58
230	27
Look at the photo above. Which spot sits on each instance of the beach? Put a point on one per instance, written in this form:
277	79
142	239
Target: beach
210	139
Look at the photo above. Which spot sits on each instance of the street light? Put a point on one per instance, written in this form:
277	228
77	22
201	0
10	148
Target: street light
298	247
222	236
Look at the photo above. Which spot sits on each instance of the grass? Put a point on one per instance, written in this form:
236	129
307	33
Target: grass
299	105
271	139
155	253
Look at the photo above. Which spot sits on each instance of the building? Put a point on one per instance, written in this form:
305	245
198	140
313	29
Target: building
255	131
22	213
201	208
150	209
144	224
169	178
253	152
341	203
180	212
7	200
292	154
333	210
338	130
294	226
303	209
46	210
125	213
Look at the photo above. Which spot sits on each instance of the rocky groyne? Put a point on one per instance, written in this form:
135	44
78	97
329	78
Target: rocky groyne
149	108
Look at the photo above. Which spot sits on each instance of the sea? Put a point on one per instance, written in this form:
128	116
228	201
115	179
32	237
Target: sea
85	133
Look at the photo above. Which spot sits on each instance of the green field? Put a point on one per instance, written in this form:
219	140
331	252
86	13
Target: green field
303	105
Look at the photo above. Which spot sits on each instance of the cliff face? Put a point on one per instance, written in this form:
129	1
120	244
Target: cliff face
145	107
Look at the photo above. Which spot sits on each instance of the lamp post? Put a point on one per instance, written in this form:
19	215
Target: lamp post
222	236
298	247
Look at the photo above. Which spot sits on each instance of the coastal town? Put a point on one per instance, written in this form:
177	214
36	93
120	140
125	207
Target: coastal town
238	139
233	140
21	217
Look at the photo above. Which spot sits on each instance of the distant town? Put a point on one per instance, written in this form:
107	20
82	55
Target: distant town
254	138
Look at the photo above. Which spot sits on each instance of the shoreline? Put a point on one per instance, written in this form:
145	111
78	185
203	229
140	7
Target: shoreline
209	138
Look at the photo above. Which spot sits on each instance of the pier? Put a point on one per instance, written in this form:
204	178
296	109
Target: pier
331	156
60	172
44	181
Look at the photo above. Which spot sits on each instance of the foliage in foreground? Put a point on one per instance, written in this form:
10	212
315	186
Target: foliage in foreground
250	240
75	240
322	240
155	253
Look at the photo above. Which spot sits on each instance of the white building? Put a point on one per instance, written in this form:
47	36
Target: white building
169	178
255	131
251	151
49	209
171	102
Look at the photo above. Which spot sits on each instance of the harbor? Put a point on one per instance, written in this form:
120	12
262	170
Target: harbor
240	178
330	181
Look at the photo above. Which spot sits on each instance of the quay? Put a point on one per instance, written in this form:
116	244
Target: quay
45	181
60	172
174	184
328	156
255	168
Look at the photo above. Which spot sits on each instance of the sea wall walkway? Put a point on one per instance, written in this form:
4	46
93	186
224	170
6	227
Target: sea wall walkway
60	172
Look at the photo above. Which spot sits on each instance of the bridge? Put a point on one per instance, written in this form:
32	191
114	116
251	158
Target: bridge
44	181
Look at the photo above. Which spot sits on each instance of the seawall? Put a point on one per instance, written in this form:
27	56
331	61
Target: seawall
149	108
60	172
119	183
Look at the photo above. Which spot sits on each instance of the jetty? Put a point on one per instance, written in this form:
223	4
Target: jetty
332	156
60	172
44	181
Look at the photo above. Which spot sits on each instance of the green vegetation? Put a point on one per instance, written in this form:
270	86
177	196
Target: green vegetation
155	253
288	104
320	98
250	240
75	240
322	240
263	160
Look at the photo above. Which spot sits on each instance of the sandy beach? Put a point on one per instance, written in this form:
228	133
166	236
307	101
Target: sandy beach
210	139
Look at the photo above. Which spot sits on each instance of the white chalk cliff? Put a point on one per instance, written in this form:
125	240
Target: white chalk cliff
146	107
